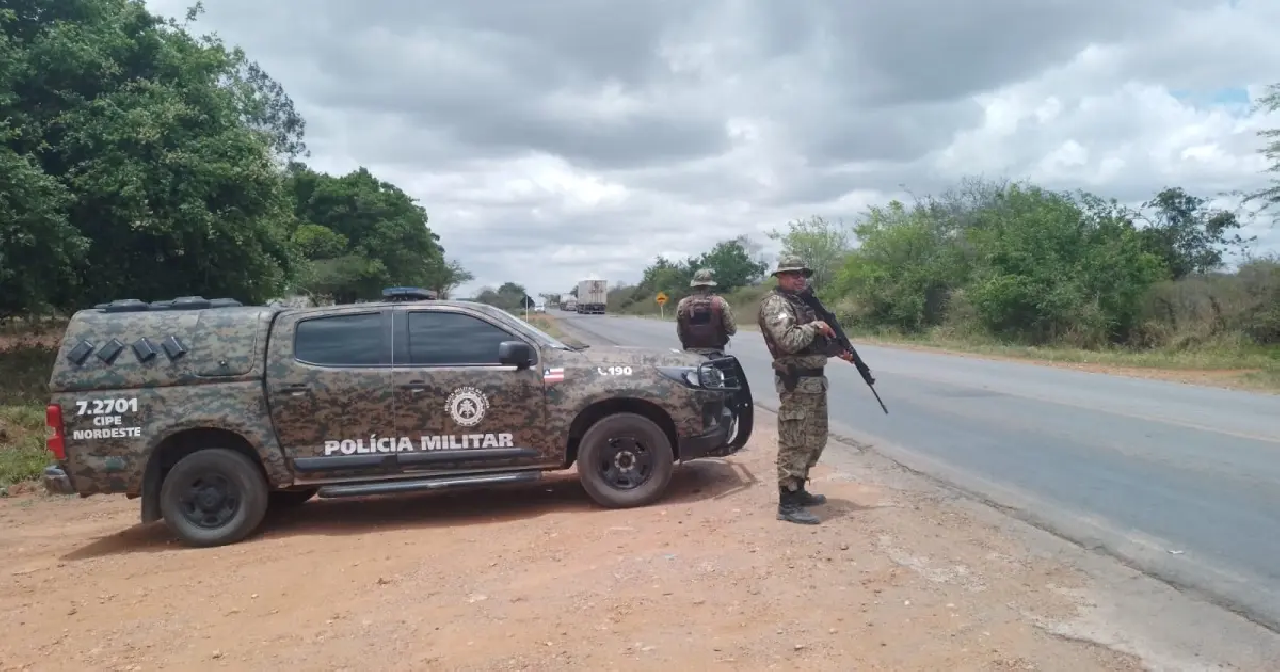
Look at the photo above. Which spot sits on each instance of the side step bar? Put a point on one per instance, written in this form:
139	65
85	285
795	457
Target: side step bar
425	484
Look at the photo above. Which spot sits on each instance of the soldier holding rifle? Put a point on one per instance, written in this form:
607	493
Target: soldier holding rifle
800	342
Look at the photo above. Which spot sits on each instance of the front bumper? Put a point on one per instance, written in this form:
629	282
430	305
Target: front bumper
738	401
55	480
714	443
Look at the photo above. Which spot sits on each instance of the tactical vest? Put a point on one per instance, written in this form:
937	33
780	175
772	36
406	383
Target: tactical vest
702	323
804	315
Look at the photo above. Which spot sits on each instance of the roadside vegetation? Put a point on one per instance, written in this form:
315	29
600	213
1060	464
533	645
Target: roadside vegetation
1015	270
214	200
26	360
547	323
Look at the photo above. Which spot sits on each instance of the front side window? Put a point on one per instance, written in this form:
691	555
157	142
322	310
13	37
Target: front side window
524	327
453	339
341	340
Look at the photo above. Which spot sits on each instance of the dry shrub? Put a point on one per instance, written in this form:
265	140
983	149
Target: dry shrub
1212	309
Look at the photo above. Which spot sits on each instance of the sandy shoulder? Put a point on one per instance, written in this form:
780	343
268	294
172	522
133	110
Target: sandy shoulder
537	578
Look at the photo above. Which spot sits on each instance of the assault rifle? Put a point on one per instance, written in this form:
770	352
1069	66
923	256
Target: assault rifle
841	342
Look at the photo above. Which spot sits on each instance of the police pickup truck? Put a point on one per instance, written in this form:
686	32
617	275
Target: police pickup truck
210	411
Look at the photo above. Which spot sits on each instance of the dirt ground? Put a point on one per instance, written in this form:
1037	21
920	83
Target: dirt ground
538	578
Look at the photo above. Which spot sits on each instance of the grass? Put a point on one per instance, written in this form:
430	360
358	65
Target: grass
22	451
26	359
547	323
1235	364
745	303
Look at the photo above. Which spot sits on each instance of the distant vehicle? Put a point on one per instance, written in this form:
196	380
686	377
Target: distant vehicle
570	304
209	412
592	296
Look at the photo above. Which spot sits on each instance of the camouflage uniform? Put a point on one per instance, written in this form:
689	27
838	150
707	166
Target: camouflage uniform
787	325
704	321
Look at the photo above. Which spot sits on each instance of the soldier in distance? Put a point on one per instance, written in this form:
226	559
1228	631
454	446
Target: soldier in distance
797	341
704	321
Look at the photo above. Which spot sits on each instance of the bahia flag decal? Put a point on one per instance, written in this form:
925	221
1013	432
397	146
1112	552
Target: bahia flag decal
552	375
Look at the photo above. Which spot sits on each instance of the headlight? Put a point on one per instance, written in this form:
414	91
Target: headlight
703	376
685	374
709	376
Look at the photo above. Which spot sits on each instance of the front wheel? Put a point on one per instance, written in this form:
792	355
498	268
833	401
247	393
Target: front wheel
213	498
625	460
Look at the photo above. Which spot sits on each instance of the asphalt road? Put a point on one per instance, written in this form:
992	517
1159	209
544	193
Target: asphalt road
1182	482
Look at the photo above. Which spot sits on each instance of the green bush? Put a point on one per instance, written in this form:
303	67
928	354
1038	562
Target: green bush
1025	265
22	451
25	365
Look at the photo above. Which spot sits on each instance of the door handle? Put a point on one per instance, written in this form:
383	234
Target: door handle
415	385
297	389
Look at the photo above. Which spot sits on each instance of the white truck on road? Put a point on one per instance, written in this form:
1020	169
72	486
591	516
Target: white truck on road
592	296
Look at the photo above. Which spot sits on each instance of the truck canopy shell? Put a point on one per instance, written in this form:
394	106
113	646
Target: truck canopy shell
132	344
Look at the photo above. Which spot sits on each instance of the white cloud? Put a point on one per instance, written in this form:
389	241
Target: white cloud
576	137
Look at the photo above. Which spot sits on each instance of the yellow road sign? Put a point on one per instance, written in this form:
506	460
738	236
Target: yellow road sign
662	299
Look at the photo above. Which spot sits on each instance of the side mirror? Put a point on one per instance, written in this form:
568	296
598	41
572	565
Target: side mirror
517	353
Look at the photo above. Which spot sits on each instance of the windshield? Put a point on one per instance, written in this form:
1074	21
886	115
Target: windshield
526	328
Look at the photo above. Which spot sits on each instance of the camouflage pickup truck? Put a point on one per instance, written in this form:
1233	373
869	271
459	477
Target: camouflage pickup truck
209	411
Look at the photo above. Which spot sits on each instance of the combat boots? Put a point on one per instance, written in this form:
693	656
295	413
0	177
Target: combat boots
791	508
806	498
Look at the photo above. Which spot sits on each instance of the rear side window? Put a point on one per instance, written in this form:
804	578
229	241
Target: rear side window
341	340
452	339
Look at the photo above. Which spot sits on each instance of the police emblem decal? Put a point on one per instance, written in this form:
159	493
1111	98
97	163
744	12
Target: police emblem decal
467	406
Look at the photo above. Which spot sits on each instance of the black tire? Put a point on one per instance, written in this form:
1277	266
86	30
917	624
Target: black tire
613	435
208	473
285	499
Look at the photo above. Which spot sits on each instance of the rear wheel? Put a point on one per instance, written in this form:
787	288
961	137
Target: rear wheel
213	498
625	460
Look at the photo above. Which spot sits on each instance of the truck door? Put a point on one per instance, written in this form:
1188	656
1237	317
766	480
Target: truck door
329	388
464	410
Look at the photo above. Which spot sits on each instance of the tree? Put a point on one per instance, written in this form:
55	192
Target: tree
1014	261
820	243
664	275
731	262
138	160
1270	196
447	277
134	164
1187	237
509	296
360	235
1055	267
38	245
487	296
317	243
903	272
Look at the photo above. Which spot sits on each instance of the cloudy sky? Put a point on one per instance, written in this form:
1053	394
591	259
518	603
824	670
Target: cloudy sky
553	140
